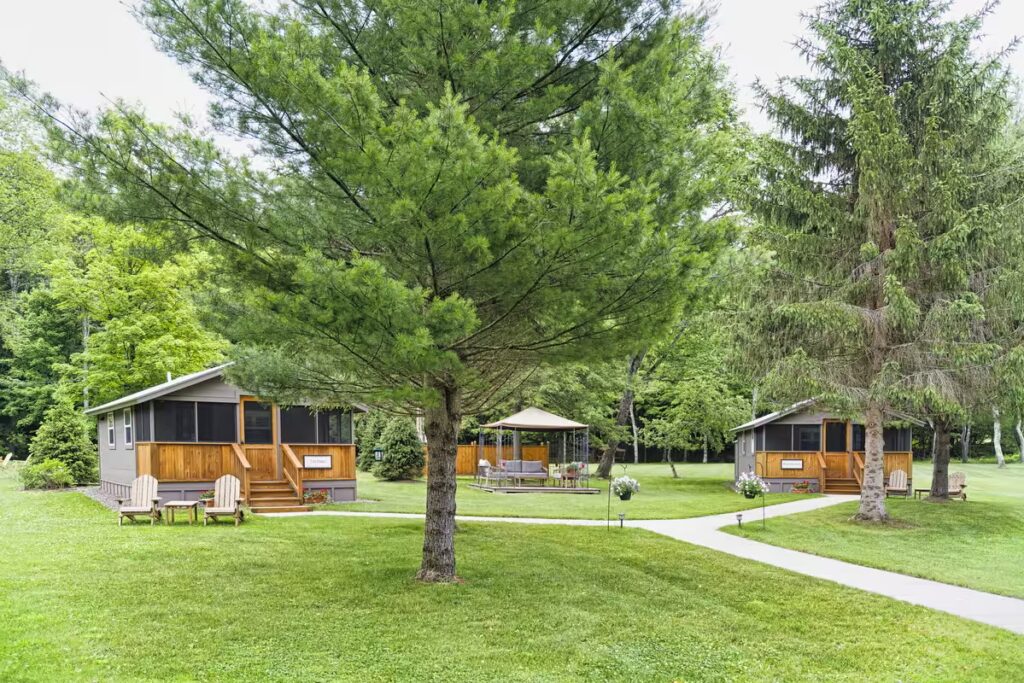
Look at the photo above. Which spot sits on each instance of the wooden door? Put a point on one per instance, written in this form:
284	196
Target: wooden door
258	432
835	441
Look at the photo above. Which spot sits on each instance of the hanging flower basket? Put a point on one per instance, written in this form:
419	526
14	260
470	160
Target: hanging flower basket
625	487
751	485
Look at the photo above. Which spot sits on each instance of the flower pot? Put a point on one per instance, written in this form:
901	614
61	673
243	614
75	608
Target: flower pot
625	495
750	494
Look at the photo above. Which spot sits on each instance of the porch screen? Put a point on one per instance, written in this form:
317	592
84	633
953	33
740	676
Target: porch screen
778	437
142	425
216	422
174	420
334	426
896	438
298	425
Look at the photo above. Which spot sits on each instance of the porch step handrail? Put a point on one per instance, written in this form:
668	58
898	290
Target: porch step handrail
293	470
242	468
858	469
822	477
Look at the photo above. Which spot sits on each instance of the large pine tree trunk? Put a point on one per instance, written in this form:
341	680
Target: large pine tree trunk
441	424
604	468
872	494
965	443
940	460
997	436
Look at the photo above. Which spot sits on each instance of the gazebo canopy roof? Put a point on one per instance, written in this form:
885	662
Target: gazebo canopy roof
535	419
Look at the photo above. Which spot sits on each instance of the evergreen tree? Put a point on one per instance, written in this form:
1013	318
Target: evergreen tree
453	194
882	201
66	435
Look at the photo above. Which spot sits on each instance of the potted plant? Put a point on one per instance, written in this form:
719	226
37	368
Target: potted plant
205	496
625	487
751	485
316	497
801	487
572	470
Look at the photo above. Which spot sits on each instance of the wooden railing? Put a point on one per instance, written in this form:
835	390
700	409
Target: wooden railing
858	469
823	474
241	469
292	469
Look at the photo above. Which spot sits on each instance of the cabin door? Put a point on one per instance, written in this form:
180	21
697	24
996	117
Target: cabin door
259	438
836	447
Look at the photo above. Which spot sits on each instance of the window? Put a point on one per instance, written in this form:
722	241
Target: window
778	437
142	424
334	426
216	422
174	420
808	437
298	425
111	438
126	414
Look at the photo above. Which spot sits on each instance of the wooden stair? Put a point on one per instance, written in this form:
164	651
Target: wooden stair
274	496
842	486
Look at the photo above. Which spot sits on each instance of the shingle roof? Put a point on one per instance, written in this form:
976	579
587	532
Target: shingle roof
160	390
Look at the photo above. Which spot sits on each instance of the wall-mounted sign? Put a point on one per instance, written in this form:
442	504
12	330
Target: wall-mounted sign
316	462
793	464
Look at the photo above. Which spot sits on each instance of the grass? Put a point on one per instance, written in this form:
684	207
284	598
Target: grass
329	598
700	490
978	544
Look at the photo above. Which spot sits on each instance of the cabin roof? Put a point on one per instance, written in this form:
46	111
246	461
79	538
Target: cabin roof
807	403
159	390
169	387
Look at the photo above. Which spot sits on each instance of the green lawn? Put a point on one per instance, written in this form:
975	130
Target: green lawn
333	598
978	544
700	490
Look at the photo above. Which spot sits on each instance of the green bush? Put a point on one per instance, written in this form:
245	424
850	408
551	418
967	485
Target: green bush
368	431
403	451
48	474
64	435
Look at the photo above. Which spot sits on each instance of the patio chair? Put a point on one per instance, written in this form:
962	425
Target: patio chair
487	473
227	500
897	485
142	500
957	484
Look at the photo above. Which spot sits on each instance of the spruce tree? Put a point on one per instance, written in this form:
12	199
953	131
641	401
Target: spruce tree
882	199
65	435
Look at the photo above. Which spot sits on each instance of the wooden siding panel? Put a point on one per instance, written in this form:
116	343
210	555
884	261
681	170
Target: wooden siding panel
343	460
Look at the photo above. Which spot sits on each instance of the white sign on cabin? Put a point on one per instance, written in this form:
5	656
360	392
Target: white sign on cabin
793	464
316	462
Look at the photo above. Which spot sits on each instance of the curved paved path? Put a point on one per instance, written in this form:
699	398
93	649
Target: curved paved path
987	608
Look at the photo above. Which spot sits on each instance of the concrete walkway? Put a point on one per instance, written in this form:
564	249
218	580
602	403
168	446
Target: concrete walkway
987	608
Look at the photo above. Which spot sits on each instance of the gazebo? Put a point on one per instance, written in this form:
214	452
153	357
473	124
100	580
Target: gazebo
509	475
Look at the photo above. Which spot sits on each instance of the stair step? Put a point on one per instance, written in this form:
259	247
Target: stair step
276	490
274	500
258	509
269	482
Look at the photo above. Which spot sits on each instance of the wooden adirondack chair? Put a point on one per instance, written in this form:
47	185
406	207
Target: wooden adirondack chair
897	485
957	484
6	461
227	500
142	500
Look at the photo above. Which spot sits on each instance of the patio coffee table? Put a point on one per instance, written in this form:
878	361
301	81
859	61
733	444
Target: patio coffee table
918	492
191	505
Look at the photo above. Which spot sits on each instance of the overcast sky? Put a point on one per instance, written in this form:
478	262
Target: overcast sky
84	50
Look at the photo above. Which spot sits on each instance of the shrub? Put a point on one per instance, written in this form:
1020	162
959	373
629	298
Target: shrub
368	433
64	435
403	452
48	474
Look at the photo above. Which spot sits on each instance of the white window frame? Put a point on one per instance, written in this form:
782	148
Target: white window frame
129	426
111	435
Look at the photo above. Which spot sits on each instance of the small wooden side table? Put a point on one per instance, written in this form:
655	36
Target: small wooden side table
918	492
191	505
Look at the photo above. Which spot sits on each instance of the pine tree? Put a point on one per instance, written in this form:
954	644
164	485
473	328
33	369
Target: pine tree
453	194
882	200
65	435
